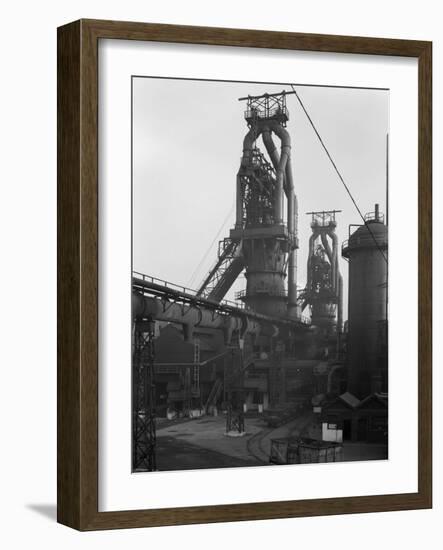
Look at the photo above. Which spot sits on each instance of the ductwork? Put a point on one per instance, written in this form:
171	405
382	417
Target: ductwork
248	146
340	304
324	242
334	263
191	317
292	228
271	149
282	172
288	185
284	183
187	316
337	278
312	239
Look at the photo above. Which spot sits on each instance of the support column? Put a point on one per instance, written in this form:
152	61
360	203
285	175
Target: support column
239	205
143	422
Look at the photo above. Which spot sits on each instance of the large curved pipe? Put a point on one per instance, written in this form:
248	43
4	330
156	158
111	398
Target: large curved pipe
270	147
327	248
338	279
312	239
281	171
191	317
288	186
145	306
248	146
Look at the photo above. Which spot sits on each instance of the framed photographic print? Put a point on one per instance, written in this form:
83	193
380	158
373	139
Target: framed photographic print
244	274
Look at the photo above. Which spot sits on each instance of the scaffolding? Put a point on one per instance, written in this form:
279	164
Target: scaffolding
143	423
266	106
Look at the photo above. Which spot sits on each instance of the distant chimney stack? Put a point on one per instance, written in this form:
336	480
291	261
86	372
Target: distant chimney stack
377	216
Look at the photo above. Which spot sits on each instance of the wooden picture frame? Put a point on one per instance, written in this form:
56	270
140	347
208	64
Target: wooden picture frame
78	273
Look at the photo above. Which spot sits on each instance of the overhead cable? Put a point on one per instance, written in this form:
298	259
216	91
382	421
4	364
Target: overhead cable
338	172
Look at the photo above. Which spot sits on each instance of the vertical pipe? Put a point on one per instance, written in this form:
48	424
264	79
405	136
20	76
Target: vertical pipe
340	304
334	264
387	219
337	279
292	210
290	195
387	178
248	145
310	255
292	278
292	229
296	215
282	164
239	205
278	205
281	169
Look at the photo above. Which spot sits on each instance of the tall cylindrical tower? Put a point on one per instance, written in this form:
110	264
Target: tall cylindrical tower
367	252
264	191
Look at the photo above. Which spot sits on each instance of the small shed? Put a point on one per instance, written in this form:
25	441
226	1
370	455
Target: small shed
363	420
373	418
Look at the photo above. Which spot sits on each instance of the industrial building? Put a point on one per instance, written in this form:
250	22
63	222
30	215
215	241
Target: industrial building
277	349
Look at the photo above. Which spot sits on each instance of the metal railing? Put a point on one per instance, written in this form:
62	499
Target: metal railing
377	216
157	284
264	290
265	113
180	288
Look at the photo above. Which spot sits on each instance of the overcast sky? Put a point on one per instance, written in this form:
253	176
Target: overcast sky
187	144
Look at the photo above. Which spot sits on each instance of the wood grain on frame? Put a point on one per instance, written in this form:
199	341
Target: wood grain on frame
77	455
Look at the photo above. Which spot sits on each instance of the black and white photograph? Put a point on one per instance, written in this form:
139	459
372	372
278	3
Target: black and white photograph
228	219
259	274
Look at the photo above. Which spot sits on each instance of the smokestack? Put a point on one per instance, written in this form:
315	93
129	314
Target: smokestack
376	212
